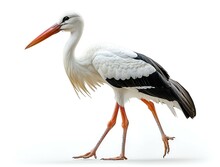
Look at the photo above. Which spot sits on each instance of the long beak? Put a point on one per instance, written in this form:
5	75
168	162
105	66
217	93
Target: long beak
46	34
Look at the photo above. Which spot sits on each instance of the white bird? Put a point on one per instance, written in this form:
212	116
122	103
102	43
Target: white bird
130	74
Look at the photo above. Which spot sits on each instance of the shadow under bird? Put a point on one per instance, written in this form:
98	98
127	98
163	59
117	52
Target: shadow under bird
128	73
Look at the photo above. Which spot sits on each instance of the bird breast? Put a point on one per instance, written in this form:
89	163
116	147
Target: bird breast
82	75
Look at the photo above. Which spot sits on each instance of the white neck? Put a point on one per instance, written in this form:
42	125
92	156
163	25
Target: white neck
69	50
77	70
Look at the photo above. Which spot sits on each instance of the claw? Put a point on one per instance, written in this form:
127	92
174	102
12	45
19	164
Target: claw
87	155
121	157
166	144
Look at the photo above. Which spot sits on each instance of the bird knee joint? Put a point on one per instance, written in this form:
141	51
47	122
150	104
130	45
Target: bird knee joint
151	106
111	123
125	124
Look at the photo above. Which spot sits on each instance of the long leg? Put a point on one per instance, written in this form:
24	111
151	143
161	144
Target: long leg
111	123
125	123
164	137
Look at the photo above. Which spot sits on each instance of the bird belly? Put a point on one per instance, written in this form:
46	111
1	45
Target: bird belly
122	95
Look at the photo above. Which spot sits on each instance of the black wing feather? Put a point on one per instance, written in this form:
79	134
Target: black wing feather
184	99
157	66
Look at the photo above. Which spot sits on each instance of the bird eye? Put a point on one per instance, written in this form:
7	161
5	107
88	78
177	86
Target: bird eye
65	18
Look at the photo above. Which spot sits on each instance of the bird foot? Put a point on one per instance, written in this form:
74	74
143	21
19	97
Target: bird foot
166	144
87	155
121	157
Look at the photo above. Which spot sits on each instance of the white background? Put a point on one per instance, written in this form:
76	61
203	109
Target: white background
44	123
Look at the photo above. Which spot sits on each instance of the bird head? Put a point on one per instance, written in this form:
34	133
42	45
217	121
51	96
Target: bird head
68	23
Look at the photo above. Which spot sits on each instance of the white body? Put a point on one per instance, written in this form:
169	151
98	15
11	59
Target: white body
101	62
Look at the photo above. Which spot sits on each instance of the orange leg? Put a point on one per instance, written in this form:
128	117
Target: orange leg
164	137
109	127
125	123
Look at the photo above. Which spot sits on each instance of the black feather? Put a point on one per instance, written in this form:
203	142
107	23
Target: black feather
157	66
184	99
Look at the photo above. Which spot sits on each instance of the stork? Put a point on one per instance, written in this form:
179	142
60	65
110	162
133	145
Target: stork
130	75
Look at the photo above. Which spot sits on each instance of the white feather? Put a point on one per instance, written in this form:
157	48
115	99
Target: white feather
172	109
120	65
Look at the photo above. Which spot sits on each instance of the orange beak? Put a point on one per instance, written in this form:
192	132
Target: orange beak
46	34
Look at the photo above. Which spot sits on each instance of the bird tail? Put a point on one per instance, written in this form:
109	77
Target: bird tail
184	99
